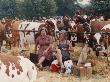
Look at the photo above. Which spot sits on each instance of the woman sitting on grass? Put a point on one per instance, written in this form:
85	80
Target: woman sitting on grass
45	47
62	48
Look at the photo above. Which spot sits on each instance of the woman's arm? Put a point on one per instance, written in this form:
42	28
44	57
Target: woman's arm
50	45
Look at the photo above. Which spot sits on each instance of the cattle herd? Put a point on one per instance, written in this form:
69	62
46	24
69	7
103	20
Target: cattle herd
16	33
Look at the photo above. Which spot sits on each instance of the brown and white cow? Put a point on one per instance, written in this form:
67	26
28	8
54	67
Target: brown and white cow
12	37
99	40
102	38
15	34
16	69
2	34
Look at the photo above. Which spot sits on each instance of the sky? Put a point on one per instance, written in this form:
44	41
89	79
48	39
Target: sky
83	2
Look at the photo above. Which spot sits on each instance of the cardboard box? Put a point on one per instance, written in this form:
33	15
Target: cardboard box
88	72
79	71
82	71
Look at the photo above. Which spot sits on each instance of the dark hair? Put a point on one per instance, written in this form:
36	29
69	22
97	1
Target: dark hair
39	32
42	30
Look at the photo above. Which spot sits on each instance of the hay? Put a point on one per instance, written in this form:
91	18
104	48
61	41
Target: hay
101	72
46	76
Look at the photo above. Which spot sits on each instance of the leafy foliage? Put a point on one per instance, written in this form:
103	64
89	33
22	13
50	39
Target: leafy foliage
8	8
101	7
33	8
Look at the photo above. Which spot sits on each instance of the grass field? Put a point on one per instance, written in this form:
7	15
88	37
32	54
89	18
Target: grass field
101	70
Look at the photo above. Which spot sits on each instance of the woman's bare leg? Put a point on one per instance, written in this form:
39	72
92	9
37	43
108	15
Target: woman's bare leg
41	60
59	57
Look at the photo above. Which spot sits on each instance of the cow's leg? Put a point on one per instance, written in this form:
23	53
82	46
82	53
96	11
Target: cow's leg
97	54
18	43
14	42
1	42
10	45
7	43
22	44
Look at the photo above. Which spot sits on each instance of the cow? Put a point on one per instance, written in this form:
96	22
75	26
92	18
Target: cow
16	69
66	25
12	37
2	33
93	26
80	29
15	34
27	37
8	32
99	39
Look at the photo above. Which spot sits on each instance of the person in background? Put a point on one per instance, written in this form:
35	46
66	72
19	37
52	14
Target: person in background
83	55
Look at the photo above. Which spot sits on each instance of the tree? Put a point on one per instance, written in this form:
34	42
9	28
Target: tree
66	7
37	7
27	9
101	7
48	7
8	8
33	8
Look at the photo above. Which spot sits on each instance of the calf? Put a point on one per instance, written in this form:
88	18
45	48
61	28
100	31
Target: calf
16	69
100	40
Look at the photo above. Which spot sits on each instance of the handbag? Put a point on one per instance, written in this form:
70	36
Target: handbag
33	58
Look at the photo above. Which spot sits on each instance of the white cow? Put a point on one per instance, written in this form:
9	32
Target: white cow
16	69
25	37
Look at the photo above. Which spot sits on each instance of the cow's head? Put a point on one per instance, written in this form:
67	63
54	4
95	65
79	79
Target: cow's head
50	27
86	27
98	42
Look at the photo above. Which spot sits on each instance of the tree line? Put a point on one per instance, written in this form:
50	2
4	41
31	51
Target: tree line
34	8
